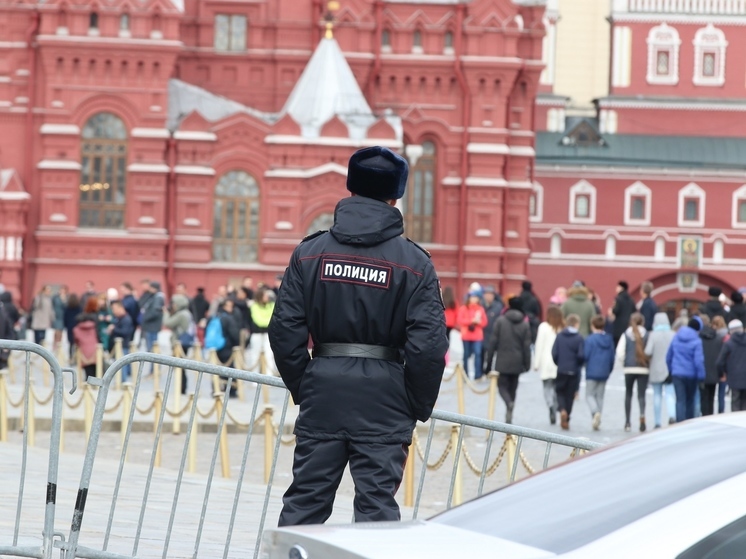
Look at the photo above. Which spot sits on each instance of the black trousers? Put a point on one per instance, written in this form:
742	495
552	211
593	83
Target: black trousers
377	470
707	395
566	386
642	386
507	385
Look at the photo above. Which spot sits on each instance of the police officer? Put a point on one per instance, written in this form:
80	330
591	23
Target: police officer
370	300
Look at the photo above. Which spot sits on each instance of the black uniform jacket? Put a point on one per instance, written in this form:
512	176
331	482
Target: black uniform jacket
361	282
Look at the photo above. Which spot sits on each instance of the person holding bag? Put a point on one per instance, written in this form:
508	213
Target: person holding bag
630	353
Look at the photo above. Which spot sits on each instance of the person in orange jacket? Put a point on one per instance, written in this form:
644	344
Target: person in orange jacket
472	319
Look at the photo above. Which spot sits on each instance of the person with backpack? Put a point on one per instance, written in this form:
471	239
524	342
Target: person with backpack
222	333
630	354
183	329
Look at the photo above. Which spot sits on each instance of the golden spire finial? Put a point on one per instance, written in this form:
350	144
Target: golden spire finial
331	6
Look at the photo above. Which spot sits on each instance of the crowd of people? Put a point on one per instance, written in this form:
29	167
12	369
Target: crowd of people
80	322
690	363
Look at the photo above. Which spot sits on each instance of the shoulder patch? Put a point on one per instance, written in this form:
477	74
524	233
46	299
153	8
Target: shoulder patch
313	235
419	247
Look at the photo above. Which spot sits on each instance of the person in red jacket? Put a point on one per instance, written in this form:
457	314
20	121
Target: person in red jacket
472	319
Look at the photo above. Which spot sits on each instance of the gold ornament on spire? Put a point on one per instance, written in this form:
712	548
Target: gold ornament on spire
331	7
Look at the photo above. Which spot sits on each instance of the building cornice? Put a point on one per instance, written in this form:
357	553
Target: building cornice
654	173
671	104
678	19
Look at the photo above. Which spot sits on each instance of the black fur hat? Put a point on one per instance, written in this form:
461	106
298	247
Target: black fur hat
377	172
714	291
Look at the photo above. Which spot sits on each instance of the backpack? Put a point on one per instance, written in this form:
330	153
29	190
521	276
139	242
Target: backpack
214	338
186	338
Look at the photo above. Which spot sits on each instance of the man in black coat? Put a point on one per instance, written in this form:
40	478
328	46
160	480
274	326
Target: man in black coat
713	307
370	301
624	306
732	364
737	309
531	307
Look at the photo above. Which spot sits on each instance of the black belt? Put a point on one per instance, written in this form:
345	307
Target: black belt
364	351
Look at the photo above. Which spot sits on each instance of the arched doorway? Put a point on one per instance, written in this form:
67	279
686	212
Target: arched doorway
676	291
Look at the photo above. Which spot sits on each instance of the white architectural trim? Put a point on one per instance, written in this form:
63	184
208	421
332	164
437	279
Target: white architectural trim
60	129
549	52
326	141
486	181
8	196
718	249
195	136
58	165
621	71
709	40
307	173
739	195
492	149
451	181
608	121
637	189
158	133
671	105
692	190
659	248
194	170
610	248
538	194
556	119
148	168
583	187
663	38
682	18
555	246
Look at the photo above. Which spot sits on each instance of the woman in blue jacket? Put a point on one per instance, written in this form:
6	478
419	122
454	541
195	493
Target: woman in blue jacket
686	362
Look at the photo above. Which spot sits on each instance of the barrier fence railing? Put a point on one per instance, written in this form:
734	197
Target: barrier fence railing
26	543
133	531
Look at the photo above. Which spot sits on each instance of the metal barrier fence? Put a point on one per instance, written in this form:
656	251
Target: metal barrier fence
134	511
27	543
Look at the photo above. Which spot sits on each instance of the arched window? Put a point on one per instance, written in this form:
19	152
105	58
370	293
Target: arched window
323	222
93	20
663	55
417	41
709	56
418	202
448	43
103	175
236	218
386	40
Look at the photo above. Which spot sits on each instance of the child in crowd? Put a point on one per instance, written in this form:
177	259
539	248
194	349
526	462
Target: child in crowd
599	362
567	354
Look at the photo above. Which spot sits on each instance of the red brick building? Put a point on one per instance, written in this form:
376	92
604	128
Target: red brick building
201	142
654	187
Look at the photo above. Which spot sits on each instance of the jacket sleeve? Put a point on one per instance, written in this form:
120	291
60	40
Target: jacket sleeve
493	342
723	359
288	331
650	346
527	348
699	361
621	350
669	357
426	345
483	314
539	347
555	351
462	316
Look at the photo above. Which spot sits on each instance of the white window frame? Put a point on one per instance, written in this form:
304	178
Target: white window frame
659	250
636	190
739	196
692	190
538	193
709	39
610	247
583	188
663	37
718	250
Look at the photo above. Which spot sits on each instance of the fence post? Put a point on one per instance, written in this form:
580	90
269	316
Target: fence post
99	360
238	363
263	371
118	354
31	427
177	352
157	407
224	456
492	375
212	358
135	367
88	401
269	440
193	439
409	477
197	351
156	368
459	371
11	368
510	455
3	406
126	405
457	494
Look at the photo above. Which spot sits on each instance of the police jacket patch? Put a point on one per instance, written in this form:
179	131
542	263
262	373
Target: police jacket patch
360	273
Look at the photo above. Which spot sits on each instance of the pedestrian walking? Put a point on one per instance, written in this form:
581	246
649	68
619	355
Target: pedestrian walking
85	335
472	319
737	309
531	308
647	306
261	314
713	307
599	354
579	303
6	333
722	330
152	303
122	327
69	318
631	357
685	361
182	326
543	362
130	302
370	301
732	364
11	310
568	355
59	302
493	307
42	314
659	340
623	308
712	344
